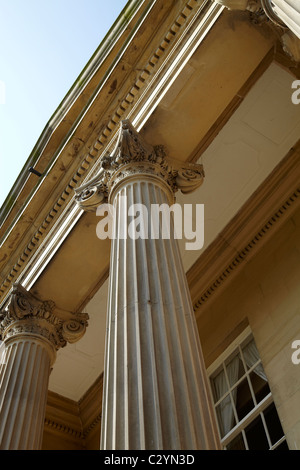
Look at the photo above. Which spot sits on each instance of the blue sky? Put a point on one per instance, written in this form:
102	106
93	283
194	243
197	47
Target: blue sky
44	45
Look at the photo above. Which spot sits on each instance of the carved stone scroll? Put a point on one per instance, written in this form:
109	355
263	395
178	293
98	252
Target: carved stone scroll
32	331
133	156
28	315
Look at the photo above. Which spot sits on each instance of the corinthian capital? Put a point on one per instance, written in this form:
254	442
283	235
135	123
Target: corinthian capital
26	314
134	156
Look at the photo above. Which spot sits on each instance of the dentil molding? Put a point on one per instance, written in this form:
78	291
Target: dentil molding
178	33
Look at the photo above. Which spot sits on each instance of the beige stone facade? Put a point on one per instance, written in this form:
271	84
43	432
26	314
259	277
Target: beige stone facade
187	102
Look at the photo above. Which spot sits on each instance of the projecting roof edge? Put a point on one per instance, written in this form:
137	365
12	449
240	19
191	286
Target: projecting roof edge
62	208
66	104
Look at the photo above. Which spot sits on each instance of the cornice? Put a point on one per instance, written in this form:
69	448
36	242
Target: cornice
249	249
133	102
262	215
62	418
90	406
63	121
57	427
75	420
119	30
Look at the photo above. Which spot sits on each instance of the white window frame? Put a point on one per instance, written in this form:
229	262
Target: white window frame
257	409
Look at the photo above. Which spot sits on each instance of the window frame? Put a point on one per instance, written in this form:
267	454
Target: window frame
213	370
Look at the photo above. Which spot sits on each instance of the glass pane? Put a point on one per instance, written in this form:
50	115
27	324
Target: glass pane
243	399
273	423
282	446
235	370
219	386
256	436
225	416
260	386
250	354
237	443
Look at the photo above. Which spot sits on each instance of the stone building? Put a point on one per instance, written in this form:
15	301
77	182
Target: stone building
167	342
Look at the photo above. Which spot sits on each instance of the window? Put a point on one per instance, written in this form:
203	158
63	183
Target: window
246	414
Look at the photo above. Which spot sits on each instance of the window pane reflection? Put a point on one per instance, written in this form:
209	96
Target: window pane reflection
260	386
282	446
256	436
243	399
237	443
273	423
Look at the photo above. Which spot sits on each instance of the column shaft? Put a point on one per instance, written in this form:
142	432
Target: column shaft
289	13
155	386
24	376
32	331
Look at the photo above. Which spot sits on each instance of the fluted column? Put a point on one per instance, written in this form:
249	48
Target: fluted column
155	392
32	331
281	12
287	11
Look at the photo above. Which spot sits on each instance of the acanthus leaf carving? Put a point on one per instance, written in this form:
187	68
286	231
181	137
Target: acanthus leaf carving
26	314
133	156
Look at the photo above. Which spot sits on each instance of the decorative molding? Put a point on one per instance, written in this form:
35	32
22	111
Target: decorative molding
134	156
63	428
133	99
76	420
26	314
267	209
175	31
96	423
90	408
245	253
80	436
